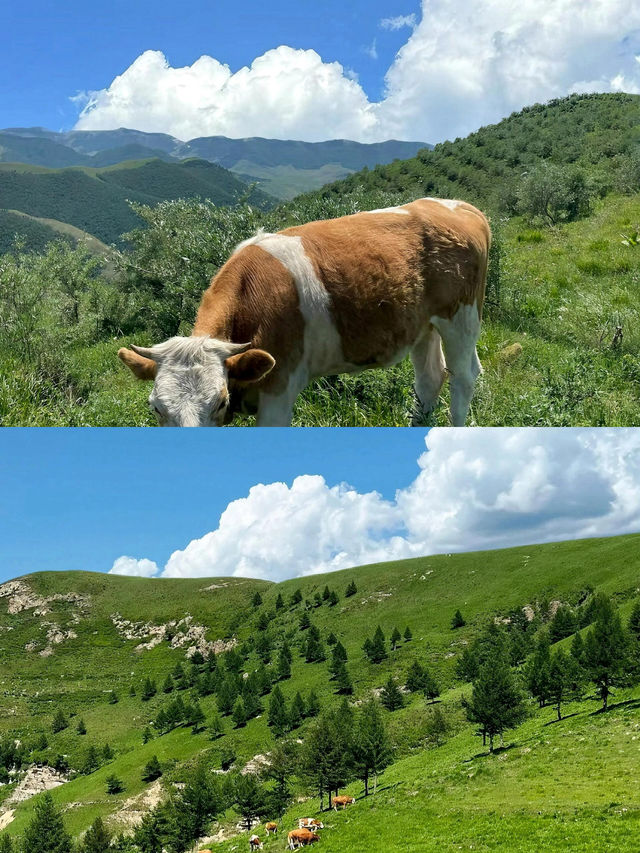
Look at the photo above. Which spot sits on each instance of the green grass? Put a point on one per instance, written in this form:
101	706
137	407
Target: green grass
499	798
562	299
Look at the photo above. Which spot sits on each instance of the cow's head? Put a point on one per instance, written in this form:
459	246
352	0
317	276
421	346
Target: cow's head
192	377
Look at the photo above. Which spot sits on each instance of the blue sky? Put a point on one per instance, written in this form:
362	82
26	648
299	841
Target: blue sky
59	49
367	70
273	504
78	499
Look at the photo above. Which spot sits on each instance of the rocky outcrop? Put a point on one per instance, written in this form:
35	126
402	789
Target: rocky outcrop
36	780
21	597
180	634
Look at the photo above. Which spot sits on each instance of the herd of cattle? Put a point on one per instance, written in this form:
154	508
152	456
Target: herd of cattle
306	833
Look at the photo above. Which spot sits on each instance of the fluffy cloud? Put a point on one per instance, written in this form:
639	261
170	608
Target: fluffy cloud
130	566
476	489
464	65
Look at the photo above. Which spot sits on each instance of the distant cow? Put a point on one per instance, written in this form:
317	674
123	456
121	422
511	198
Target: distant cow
271	828
300	838
335	296
310	823
255	843
343	801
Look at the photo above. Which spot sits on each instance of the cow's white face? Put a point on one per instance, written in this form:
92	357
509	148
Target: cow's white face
192	376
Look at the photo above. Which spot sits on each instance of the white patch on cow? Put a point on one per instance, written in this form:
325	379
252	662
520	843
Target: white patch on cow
257	238
401	210
446	202
322	345
460	335
191	380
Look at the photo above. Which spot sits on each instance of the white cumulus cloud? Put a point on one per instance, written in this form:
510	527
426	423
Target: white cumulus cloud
475	489
130	566
466	63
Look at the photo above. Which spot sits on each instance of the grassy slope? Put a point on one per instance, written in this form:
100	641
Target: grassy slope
422	593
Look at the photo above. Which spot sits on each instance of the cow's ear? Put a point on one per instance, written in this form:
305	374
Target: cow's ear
141	367
250	366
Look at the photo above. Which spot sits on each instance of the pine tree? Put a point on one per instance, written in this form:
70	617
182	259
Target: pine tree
372	750
563	624
264	647
350	590
319	757
283	666
333	598
305	620
107	752
263	622
81	728
326	593
251	701
132	691
577	649
6	845
148	836
59	722
46	832
226	696
97	838
152	770
239	715
113	698
538	670
147	735
396	636
437	726
178	676
216	728
196	805
338	658
606	650
496	703
377	650
332	639
279	602
168	685
114	785
391	696
256	601
281	768
297	711
634	622
249	798
457	621
563	680
415	677
277	717
296	598
344	685
196	717
317	600
407	634
313	704
148	690
430	686
91	760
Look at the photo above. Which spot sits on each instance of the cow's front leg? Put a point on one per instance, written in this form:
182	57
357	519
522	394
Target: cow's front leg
276	410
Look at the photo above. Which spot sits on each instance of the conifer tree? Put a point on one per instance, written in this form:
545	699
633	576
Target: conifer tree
458	620
283	666
168	685
249	798
6	845
196	717
279	602
332	639
59	722
113	698
577	649
563	679
91	761
216	728
256	601
114	785
372	750
263	622
148	690
396	636
152	770
350	590
305	620
391	696
107	752
297	711
430	686
81	728
239	714
606	650
147	735
46	832
277	718
344	685
538	670
296	598
415	677
313	704
377	650
333	598
407	634
326	593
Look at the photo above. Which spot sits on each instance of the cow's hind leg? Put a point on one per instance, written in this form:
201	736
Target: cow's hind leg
460	335
429	370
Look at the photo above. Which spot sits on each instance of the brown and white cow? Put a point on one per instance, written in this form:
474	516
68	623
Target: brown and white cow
300	838
310	823
271	828
343	801
329	297
255	843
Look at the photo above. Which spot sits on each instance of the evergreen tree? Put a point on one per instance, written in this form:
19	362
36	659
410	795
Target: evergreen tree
256	601
152	770
149	835
249	798
297	711
538	670
216	728
606	650
264	647
577	649
148	690
407	634
277	717
283	666
263	622
226	696
132	691
6	845
296	598
332	639
415	677
350	590
305	620
197	804
114	785
430	686
197	658
91	760
195	717
107	752
239	715
279	602
168	685
372	749
377	650
313	704
81	728
59	722
437	726
396	636
178	675
97	839
333	598
280	770
46	832
634	622
391	696
323	758
563	624
457	621
496	703
317	600
251	701
326	593
314	650
113	698
344	685
563	679
338	658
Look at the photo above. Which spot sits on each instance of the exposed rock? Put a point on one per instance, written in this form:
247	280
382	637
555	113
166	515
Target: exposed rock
529	612
5	819
36	780
182	633
135	808
22	597
256	764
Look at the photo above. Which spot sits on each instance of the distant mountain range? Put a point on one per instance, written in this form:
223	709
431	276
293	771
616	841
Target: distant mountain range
282	168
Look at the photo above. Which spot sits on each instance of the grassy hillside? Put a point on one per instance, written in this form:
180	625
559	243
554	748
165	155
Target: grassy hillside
574	779
96	200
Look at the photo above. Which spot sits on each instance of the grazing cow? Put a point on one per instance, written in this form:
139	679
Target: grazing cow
343	801
255	843
271	828
335	296
301	837
310	823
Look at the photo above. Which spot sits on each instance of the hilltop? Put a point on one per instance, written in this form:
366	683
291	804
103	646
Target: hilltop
69	639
